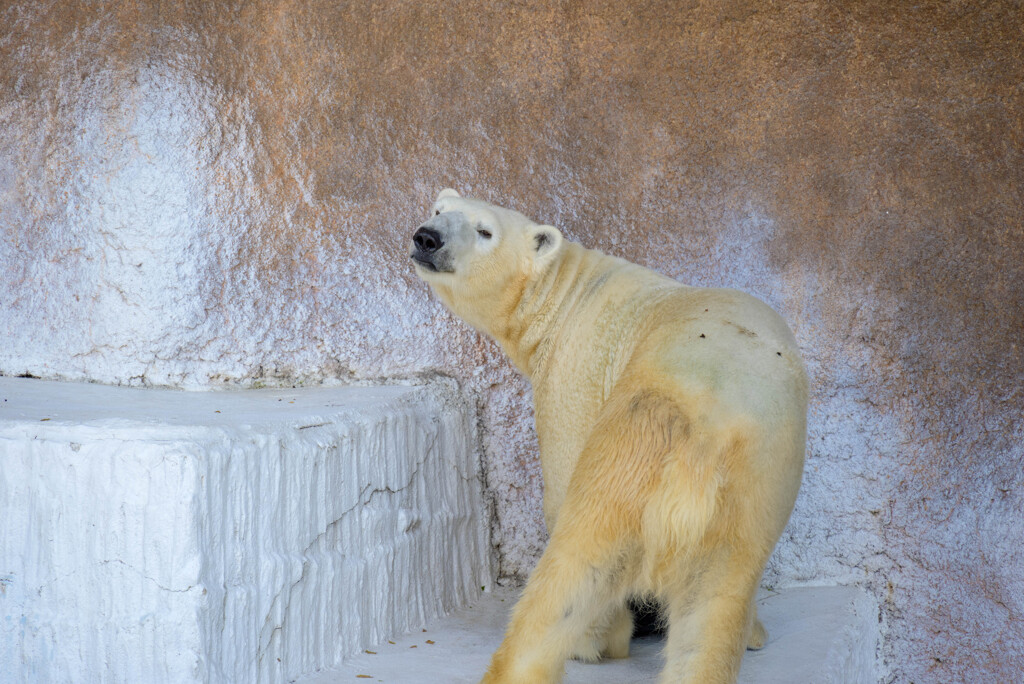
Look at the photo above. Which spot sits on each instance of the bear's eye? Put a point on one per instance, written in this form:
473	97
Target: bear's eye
436	212
484	233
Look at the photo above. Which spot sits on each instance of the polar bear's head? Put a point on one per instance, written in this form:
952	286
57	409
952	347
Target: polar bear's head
478	257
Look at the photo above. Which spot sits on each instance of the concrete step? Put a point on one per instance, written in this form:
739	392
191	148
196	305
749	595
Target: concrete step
817	635
246	536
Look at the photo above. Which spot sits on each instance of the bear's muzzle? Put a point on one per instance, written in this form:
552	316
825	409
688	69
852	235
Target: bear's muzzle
426	242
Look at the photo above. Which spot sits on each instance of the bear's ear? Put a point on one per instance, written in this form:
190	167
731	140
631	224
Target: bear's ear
545	241
447	192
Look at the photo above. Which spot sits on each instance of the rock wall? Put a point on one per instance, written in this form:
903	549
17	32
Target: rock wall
198	194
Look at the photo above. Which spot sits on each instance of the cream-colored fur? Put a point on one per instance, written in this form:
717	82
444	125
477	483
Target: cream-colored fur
671	422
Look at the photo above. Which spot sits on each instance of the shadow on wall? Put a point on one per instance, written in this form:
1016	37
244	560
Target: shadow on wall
204	194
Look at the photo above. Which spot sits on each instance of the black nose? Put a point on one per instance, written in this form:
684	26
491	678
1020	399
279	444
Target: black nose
427	240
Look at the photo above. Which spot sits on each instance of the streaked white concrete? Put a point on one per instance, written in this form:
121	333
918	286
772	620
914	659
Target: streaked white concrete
247	536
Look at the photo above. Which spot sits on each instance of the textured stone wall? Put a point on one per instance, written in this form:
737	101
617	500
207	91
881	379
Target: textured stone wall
197	194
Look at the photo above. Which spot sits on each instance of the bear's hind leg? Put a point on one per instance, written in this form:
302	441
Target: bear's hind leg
710	627
573	586
593	558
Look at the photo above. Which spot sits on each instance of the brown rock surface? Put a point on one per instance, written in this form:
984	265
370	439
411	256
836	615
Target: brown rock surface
205	193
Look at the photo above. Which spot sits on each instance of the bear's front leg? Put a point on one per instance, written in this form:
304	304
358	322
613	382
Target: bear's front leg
609	637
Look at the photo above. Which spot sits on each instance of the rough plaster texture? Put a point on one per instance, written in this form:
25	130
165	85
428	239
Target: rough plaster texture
199	194
249	536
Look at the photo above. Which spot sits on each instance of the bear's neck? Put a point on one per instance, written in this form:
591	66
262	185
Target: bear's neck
529	330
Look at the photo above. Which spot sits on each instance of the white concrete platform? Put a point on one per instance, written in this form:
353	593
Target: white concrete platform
817	635
247	536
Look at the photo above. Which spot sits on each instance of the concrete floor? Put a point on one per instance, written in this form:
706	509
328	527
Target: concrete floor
817	635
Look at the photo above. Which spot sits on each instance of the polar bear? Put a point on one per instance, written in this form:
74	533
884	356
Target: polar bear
671	423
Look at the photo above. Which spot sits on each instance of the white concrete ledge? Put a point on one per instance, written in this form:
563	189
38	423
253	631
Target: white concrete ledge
816	635
247	536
